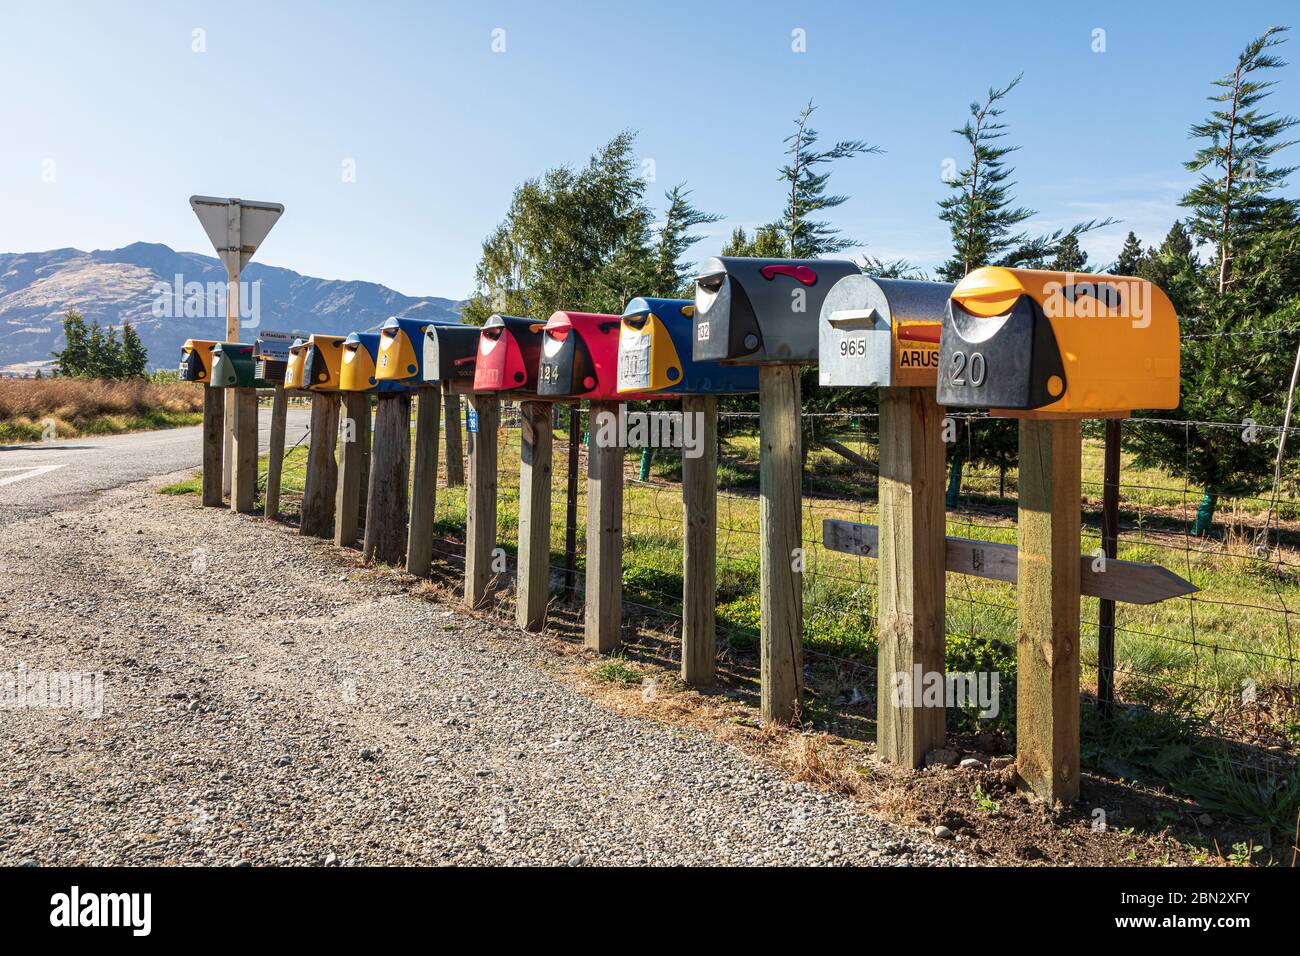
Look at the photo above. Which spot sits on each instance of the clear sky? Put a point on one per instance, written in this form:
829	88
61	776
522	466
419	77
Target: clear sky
114	104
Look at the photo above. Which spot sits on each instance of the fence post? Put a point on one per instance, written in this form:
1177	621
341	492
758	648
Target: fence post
700	543
603	624
534	576
322	470
275	453
424	483
390	470
481	498
243	487
455	463
1110	548
571	506
214	428
910	573
347	507
1047	593
780	541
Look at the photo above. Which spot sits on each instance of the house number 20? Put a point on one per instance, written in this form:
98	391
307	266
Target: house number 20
974	365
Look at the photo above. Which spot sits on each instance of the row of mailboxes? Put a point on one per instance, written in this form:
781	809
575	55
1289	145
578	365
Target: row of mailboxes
1006	339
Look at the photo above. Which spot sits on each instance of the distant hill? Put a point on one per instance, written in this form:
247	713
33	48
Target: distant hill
110	285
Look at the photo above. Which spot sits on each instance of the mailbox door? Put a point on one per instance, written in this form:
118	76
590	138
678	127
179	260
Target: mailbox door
196	360
1007	361
323	362
763	311
647	355
450	353
508	353
401	347
293	370
881	332
357	366
233	366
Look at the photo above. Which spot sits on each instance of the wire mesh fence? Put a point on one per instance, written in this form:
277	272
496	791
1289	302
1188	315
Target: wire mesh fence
1225	655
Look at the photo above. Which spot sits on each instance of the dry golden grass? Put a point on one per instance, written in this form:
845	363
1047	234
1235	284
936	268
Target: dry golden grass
79	406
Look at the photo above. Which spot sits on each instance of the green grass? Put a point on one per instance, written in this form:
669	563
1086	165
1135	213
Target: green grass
616	671
14	432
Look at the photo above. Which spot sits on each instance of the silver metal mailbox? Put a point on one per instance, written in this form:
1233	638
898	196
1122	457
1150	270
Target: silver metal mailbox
881	332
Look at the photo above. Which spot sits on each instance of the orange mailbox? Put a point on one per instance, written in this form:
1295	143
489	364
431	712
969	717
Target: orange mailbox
1058	344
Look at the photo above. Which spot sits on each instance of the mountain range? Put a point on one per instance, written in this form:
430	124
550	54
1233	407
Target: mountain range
171	296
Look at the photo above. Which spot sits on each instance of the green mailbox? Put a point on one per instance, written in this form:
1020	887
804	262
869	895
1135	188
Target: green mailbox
235	366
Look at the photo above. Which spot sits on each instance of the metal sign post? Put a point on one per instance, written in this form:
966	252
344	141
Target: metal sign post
235	227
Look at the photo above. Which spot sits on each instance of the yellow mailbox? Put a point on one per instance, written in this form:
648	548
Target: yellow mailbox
324	362
196	360
297	358
1058	343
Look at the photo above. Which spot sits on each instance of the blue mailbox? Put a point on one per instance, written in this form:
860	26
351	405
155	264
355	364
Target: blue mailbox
655	353
358	372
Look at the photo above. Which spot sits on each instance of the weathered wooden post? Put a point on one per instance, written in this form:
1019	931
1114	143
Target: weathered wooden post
455	450
196	366
1052	348
885	333
481	497
507	356
352	446
275	452
603	622
322	367
390	466
243	489
655	359
764	312
534	575
433	358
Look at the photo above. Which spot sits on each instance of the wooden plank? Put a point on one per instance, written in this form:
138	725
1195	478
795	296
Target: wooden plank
275	453
603	621
455	453
243	487
1047	596
390	472
1131	582
351	448
365	438
780	543
214	430
424	483
571	507
322	469
700	546
911	573
481	499
533	583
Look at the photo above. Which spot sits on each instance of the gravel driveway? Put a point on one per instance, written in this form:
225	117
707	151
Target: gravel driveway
266	702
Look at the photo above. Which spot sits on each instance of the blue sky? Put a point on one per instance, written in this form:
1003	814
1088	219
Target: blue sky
114	102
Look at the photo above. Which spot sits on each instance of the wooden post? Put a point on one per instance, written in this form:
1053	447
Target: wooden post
275	453
214	430
910	574
780	543
349	490
322	470
603	628
481	498
243	486
455	461
533	583
1047	592
390	471
571	507
1110	548
366	439
700	543
424	484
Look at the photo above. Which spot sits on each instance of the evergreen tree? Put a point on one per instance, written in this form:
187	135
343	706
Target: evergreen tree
135	357
767	243
75	358
1232	199
1130	257
1069	257
807	238
673	275
981	213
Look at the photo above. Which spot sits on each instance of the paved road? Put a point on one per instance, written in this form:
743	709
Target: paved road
41	478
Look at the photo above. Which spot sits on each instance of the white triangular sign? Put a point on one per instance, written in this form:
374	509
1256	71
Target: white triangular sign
235	227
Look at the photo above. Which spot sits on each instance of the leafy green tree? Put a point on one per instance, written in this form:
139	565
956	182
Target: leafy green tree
807	175
1130	257
766	243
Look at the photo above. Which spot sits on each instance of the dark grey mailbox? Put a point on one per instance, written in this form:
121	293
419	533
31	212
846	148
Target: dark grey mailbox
762	311
881	332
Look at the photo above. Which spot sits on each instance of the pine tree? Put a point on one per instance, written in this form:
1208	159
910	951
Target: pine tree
74	360
673	276
1070	257
807	238
767	243
981	213
135	357
1130	257
1233	202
